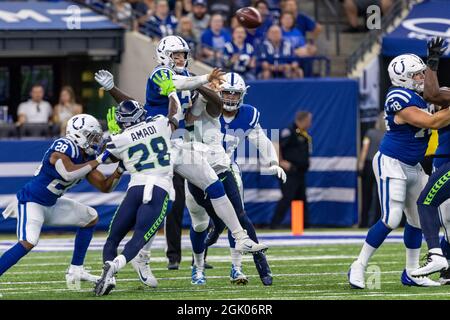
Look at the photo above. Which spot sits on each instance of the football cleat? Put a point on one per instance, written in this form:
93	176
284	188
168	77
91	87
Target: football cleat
434	263
408	280
356	275
107	282
444	278
263	268
76	274
246	245
198	276
212	237
141	265
237	276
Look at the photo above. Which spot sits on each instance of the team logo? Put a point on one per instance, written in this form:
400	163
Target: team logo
394	67
79	126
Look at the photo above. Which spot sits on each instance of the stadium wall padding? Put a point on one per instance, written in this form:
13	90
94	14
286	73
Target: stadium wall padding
332	180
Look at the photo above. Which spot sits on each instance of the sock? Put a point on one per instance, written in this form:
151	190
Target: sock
11	256
198	240
248	225
223	207
236	257
199	260
429	220
145	251
445	246
231	240
412	238
120	261
436	250
82	241
375	237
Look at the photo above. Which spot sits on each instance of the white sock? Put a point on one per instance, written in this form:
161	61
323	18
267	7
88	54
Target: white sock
436	250
120	261
147	247
366	253
236	257
225	211
412	259
199	260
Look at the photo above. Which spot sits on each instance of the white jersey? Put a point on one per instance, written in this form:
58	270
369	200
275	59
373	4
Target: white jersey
145	150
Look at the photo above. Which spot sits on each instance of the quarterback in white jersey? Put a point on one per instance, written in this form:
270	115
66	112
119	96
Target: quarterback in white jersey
144	148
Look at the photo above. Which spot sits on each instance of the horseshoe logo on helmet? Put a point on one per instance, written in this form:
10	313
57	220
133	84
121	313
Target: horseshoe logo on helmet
74	123
394	67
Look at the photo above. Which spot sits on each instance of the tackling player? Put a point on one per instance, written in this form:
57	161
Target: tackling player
400	177
68	160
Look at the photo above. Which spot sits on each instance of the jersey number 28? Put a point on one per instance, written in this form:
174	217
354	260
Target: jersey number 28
158	146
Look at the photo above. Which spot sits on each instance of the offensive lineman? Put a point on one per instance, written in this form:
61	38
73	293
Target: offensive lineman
400	177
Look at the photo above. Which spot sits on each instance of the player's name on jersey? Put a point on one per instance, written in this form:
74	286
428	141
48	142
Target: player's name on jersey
143	133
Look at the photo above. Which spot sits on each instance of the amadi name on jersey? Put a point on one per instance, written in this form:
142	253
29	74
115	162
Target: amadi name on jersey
404	142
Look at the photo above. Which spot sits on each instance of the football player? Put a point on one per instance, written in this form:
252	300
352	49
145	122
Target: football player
433	206
145	149
68	160
400	177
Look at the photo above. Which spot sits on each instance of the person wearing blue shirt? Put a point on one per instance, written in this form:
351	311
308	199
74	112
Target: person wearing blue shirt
213	40
276	57
304	23
162	23
239	55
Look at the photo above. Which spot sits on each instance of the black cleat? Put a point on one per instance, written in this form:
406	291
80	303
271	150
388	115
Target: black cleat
173	266
263	268
444	279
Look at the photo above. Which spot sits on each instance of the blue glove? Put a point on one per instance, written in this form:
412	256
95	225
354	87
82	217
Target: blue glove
105	157
121	168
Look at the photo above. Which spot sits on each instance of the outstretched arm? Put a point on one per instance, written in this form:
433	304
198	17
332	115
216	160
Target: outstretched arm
432	92
214	104
105	184
106	80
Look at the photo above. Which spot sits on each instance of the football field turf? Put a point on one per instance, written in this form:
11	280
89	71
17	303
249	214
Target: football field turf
300	272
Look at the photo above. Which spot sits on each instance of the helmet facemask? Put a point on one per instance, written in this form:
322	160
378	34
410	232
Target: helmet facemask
89	140
174	66
232	99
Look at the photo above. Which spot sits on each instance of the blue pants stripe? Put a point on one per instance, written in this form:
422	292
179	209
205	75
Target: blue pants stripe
387	200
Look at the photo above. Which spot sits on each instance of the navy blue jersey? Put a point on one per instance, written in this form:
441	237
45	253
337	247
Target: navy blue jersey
156	103
245	54
237	129
156	27
404	142
280	55
47	185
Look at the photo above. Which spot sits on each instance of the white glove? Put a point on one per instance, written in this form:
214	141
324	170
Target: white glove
279	172
105	79
104	158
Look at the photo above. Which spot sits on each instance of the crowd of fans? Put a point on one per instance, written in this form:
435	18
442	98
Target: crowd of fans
277	48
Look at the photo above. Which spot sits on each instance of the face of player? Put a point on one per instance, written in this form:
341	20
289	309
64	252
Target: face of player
180	59
239	35
231	96
419	78
37	94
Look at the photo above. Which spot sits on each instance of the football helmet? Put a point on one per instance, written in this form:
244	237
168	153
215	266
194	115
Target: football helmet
86	132
167	46
234	85
129	113
403	68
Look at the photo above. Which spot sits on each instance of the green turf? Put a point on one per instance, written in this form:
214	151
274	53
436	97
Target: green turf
299	273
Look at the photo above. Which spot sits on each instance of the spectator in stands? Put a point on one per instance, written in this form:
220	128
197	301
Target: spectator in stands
276	57
213	40
292	34
357	8
370	145
143	8
121	12
295	148
66	108
36	109
199	17
226	8
183	8
162	23
239	55
185	30
256	36
304	23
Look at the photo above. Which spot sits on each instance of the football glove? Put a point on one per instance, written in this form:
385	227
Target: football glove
278	171
105	79
435	51
166	84
105	158
113	127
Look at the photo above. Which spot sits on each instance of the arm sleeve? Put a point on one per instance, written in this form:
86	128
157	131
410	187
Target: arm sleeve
265	147
189	83
199	106
71	175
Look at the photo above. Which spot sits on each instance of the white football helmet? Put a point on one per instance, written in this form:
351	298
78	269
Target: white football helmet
86	132
402	70
234	84
169	45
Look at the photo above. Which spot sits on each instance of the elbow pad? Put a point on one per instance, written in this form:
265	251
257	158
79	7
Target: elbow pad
71	175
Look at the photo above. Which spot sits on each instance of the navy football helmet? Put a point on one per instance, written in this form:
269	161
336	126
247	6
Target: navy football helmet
129	113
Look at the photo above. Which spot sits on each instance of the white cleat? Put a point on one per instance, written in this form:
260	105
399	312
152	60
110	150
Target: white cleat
356	275
141	265
246	245
107	282
408	280
435	262
76	274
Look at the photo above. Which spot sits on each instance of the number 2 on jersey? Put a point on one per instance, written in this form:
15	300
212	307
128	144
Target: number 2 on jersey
158	145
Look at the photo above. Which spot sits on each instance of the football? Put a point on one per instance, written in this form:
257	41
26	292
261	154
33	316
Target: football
249	17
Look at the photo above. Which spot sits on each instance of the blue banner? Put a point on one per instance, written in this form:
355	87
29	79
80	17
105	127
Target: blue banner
42	15
428	19
332	179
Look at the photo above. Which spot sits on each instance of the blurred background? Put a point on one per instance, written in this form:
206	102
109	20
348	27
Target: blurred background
324	57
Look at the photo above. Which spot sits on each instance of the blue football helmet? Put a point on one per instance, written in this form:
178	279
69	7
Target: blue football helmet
129	113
